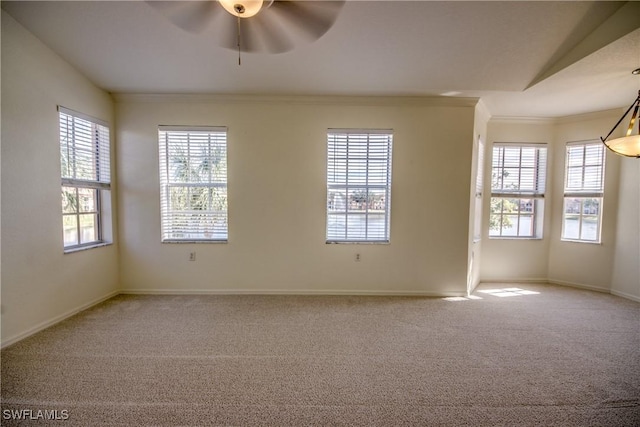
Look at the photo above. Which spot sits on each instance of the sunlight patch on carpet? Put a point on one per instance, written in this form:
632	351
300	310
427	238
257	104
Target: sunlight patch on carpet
508	292
501	293
467	298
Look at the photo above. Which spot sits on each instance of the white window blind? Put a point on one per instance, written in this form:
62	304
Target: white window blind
518	170
585	169
84	149
583	192
85	173
518	177
358	185
193	181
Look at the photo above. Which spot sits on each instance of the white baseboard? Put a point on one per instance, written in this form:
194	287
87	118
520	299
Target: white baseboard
289	292
625	295
39	327
547	281
579	285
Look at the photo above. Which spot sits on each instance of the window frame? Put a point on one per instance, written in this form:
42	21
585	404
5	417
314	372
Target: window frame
335	184
74	130
516	196
583	193
168	233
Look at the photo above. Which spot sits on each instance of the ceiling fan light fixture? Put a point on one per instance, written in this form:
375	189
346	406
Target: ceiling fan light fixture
242	8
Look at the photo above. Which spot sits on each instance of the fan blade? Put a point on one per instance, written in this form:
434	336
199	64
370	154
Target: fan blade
273	30
314	18
226	31
263	36
255	36
192	16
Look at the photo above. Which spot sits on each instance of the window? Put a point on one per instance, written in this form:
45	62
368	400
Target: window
358	185
517	190
86	183
193	183
583	191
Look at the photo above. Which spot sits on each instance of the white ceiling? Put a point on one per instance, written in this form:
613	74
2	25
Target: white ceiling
492	50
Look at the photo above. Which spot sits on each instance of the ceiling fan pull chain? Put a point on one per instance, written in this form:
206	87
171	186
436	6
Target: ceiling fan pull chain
239	61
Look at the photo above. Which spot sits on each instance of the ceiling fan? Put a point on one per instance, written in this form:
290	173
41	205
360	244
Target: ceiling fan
270	26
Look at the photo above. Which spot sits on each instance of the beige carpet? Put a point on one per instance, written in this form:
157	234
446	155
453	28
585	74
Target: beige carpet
552	356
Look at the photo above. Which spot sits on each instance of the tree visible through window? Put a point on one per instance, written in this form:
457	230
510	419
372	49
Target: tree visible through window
193	181
358	185
517	190
583	191
86	182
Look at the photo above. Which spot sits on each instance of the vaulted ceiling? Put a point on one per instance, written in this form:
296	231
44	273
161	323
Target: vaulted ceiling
533	59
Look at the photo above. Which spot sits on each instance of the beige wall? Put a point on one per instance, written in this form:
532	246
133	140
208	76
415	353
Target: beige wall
277	197
626	264
40	284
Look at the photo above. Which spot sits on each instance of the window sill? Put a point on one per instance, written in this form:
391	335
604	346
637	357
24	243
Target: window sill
588	242
195	241
86	248
331	242
513	238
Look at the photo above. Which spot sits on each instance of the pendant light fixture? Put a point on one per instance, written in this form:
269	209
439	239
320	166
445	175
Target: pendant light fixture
628	145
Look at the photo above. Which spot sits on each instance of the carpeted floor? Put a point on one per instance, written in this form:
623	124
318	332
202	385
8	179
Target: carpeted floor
545	356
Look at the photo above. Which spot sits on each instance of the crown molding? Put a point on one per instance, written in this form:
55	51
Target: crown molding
596	115
523	120
410	101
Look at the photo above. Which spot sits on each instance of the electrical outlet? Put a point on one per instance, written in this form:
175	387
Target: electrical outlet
357	258
192	256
